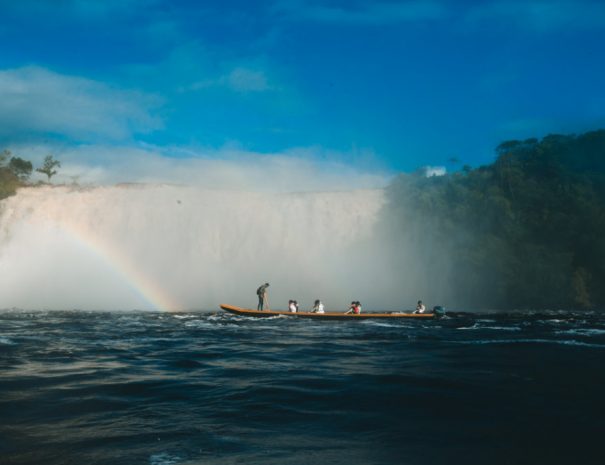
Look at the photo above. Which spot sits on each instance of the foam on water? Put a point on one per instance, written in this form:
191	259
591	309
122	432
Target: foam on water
583	331
474	326
502	328
568	342
380	324
164	458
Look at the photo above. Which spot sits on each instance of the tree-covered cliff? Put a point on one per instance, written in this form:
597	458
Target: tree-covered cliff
527	231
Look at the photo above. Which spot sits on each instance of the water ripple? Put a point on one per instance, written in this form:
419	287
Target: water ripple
211	388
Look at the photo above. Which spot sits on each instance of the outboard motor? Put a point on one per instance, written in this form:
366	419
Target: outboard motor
439	311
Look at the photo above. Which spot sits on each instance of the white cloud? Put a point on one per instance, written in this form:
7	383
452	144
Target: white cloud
542	15
36	101
230	168
365	12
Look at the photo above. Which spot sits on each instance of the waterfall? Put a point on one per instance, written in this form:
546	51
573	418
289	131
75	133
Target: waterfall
174	247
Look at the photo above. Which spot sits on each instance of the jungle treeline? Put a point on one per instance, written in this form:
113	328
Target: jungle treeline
527	231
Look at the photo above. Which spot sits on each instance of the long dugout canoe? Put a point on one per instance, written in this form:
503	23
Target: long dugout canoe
322	316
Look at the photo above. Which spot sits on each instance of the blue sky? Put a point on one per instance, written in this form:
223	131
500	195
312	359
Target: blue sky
385	85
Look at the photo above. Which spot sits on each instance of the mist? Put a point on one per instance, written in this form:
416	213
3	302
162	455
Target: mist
230	167
172	247
145	247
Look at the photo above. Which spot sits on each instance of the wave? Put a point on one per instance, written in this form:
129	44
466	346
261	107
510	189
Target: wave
475	326
380	324
494	328
164	458
583	331
569	342
503	328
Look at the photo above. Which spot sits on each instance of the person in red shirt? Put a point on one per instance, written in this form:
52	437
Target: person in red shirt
354	308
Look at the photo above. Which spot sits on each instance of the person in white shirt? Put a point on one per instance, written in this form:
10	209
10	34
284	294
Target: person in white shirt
351	308
292	306
420	308
318	307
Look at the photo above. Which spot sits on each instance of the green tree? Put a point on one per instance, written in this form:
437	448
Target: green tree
523	232
5	155
9	182
48	167
21	168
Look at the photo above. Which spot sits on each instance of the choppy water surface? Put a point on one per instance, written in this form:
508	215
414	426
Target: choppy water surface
207	388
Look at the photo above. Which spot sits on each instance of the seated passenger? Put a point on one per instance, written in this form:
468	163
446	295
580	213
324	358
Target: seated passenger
351	308
357	308
318	307
292	306
420	308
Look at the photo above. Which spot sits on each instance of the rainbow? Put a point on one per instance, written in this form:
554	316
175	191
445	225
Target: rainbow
138	281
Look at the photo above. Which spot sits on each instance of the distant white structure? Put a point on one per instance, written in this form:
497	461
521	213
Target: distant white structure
430	171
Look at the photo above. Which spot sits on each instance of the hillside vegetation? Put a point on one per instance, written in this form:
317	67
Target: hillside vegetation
527	231
15	172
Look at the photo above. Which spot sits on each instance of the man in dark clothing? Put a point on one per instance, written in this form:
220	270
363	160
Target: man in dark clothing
261	292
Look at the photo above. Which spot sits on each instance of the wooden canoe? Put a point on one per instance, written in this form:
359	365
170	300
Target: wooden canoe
322	316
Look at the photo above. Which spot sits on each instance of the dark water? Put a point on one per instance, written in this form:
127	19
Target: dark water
200	388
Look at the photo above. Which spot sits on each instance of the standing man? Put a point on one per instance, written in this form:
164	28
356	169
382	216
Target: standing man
261	292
